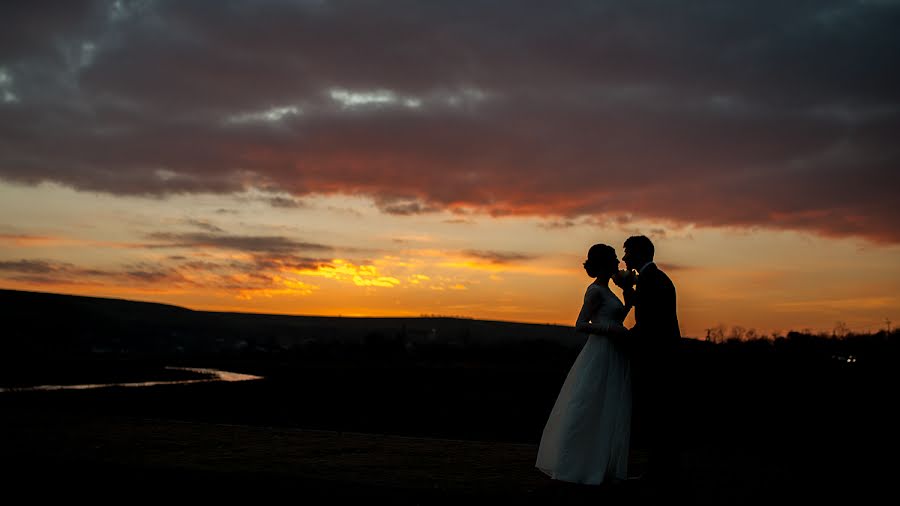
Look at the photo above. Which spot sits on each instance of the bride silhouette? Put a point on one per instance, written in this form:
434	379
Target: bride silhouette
587	434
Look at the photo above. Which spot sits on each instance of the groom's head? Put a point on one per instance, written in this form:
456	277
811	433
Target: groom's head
638	251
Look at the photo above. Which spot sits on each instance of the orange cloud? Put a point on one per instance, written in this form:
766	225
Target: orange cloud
283	286
32	240
485	261
344	270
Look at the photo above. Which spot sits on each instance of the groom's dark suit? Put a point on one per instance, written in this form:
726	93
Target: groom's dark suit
654	341
655	328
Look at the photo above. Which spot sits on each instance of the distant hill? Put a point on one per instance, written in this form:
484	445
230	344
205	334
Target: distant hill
56	324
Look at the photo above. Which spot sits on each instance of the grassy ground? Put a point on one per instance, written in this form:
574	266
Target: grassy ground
412	436
176	457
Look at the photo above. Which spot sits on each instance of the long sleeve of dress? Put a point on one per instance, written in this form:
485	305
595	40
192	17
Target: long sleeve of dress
593	298
588	307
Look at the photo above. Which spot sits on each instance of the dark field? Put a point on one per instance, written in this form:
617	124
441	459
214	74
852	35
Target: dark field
449	419
816	438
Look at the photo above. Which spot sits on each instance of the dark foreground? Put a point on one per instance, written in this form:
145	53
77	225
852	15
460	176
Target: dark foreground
422	435
94	456
412	410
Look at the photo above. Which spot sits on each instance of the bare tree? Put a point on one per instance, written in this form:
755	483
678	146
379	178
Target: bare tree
717	333
737	333
840	329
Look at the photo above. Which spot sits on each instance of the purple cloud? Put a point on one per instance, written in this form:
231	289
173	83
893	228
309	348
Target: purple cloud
271	244
782	116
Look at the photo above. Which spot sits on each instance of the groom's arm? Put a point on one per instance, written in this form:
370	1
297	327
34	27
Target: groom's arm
631	301
630	296
652	302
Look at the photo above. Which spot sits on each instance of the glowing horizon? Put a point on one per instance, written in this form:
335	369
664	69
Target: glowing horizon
338	158
240	253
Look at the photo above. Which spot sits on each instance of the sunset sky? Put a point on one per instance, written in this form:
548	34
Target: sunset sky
457	158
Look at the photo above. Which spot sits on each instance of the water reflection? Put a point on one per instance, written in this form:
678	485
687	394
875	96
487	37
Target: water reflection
213	375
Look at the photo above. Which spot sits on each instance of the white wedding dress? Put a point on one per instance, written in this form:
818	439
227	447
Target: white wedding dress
587	435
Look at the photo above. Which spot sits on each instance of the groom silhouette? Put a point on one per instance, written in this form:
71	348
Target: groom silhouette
654	342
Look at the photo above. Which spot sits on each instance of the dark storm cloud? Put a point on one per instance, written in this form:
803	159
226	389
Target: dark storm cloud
781	115
259	274
152	274
499	257
46	267
404	207
31	266
280	261
285	203
270	244
55	272
202	224
262	271
37	28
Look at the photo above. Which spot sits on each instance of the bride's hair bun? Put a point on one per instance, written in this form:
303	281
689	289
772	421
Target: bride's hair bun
601	252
